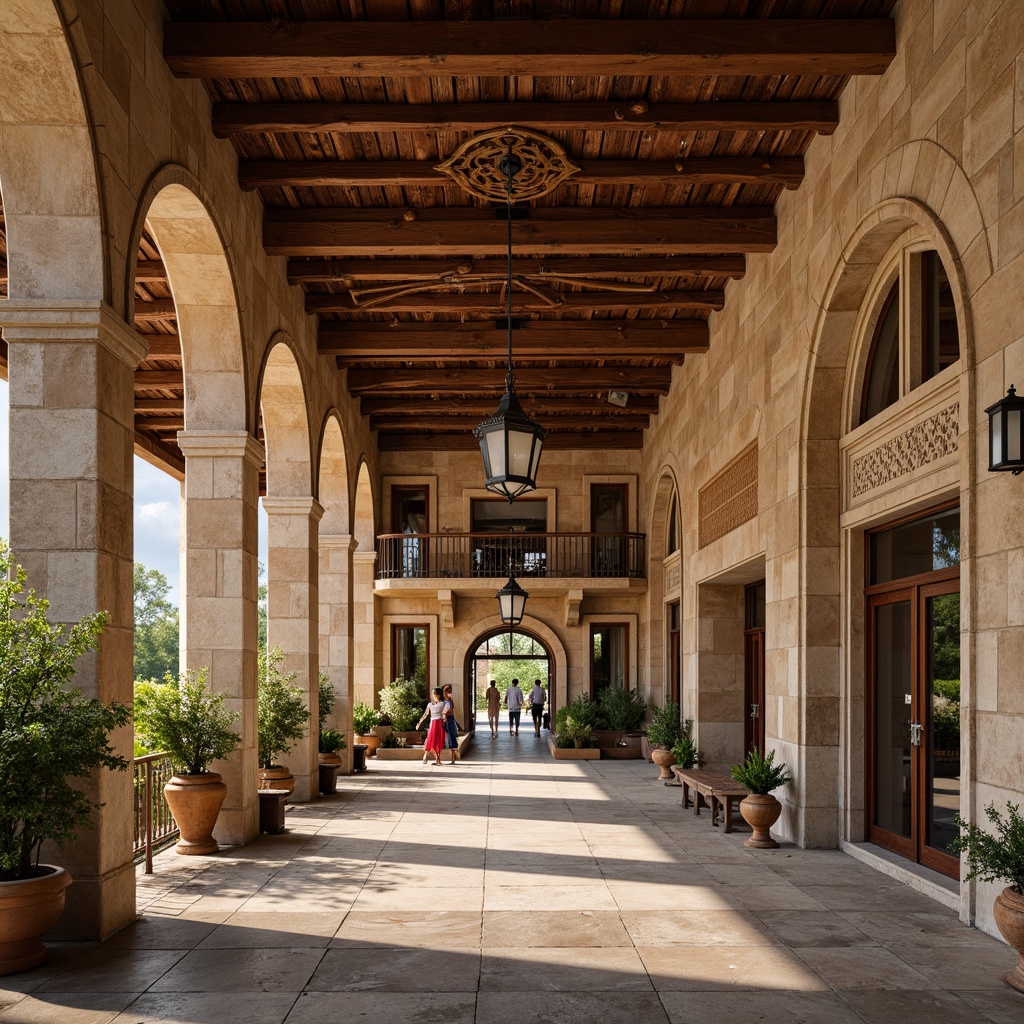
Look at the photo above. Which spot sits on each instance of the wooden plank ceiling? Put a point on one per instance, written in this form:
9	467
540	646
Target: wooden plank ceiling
687	119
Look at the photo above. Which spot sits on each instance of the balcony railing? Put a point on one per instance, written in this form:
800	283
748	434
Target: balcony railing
494	555
154	825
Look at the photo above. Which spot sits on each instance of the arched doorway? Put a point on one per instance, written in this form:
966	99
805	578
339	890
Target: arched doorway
501	655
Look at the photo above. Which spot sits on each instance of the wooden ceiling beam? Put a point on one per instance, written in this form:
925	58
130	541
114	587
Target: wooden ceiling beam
354	271
442	424
557	47
159	380
494	303
155	309
587	339
149	271
561	379
159	423
410	405
162	346
419	442
160	406
729	170
820	116
160	454
463	231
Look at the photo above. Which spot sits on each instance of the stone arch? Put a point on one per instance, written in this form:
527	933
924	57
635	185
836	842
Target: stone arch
332	476
366	664
492	624
364	514
282	403
657	534
179	216
948	216
52	208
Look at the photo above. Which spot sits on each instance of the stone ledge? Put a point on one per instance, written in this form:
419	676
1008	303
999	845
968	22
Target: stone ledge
573	753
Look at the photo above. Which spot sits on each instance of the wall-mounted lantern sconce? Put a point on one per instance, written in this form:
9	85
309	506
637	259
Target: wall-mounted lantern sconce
1006	434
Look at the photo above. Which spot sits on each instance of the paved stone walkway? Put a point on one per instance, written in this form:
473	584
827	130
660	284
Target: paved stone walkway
514	889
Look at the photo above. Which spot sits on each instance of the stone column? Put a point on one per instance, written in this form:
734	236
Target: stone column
218	599
71	476
293	607
364	617
336	629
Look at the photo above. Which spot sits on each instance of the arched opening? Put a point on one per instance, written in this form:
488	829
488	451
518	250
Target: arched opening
664	668
366	668
504	655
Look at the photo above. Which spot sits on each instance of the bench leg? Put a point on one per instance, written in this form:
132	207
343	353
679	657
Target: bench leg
686	795
715	806
728	813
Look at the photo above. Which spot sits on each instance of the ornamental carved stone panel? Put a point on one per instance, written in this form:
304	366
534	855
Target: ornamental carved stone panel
729	498
923	443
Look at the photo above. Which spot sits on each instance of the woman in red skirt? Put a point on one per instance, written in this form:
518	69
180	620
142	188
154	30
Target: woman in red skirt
436	733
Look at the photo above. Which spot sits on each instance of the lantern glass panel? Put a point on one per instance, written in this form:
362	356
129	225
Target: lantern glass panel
1013	435
520	448
995	435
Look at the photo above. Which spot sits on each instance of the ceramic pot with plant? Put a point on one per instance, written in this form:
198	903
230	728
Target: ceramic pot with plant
401	703
364	718
685	751
331	742
51	738
281	719
664	732
760	809
999	857
183	719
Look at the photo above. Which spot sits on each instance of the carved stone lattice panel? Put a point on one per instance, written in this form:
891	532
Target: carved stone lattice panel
672	577
923	443
475	165
729	499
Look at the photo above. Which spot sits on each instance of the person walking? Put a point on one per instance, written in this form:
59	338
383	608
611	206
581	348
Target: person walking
514	702
450	723
435	741
538	698
493	708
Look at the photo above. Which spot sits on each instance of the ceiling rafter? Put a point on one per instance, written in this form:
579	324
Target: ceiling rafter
556	379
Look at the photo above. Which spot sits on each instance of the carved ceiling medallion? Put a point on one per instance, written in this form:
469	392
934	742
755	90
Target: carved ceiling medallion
474	165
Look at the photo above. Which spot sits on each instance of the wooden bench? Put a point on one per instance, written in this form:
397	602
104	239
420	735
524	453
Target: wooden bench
719	792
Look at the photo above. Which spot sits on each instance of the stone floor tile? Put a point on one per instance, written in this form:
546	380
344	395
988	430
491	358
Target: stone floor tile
784	896
524	897
863	967
571	969
76	1008
928	928
923	1007
733	1007
554	928
1002	1007
241	970
399	897
869	897
749	874
724	968
631	896
209	1008
382	1008
528	1007
151	931
697	928
431	929
246	930
359	969
115	970
799	928
961	968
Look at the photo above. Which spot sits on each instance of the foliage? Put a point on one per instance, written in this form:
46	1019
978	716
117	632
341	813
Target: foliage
364	718
760	774
181	717
945	652
948	688
261	611
326	699
582	710
621	709
392	742
331	741
156	625
281	712
666	729
402	701
581	734
946	723
994	858
685	751
50	735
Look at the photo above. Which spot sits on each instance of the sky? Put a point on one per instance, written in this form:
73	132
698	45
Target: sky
157	508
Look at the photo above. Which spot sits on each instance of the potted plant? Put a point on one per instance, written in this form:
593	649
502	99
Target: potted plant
401	702
664	732
330	741
184	719
622	711
999	858
760	810
50	737
281	717
365	718
685	751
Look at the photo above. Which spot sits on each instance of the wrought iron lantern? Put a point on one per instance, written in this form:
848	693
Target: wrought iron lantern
510	442
511	602
1006	434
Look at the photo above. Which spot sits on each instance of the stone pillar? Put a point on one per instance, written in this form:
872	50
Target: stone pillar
336	629
71	476
293	606
364	617
218	599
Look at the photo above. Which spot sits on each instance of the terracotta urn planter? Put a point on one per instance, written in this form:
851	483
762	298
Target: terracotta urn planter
195	801
664	759
332	758
371	743
29	908
760	811
1009	915
277	776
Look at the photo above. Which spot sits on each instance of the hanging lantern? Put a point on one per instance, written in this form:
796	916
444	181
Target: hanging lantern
511	602
1006	434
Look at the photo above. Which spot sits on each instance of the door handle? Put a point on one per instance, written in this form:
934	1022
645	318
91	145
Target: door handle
916	728
754	710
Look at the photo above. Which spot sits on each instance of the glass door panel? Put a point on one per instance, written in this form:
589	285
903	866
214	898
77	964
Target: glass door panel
893	696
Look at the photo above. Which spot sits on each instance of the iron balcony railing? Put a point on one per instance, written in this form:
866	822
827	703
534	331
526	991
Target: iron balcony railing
154	825
497	555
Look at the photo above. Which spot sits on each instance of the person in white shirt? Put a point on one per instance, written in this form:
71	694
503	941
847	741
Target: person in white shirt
538	698
514	702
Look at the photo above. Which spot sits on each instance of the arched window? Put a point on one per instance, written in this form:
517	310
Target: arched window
916	335
673	526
